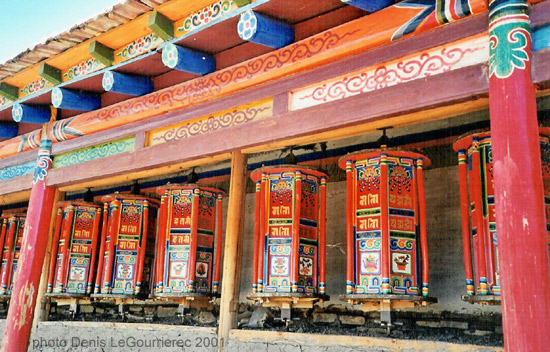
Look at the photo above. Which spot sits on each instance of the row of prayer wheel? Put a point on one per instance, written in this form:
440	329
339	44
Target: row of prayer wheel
120	249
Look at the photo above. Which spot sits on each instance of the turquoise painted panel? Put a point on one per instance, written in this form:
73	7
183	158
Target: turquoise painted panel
94	152
17	170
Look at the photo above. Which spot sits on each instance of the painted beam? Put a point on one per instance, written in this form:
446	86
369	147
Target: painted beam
9	92
188	60
63	98
102	52
125	83
264	30
39	114
369	5
242	3
50	73
541	38
161	25
8	129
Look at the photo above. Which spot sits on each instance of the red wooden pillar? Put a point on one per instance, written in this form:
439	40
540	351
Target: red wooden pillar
296	232
465	215
322	236
384	219
218	256
350	210
33	250
194	240
257	235
523	248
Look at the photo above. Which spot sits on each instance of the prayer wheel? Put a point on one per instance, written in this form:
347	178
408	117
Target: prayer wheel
289	237
74	248
127	245
387	250
11	238
190	223
477	198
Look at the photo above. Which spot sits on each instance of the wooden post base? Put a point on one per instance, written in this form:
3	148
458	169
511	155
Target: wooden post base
489	300
287	301
386	304
186	300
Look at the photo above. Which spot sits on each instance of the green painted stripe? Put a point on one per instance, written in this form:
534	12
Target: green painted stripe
94	152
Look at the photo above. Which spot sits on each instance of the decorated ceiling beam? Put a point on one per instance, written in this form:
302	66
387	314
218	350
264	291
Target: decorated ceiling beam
50	73
9	91
38	114
8	129
264	30
369	5
541	38
63	98
125	83
188	60
161	25
102	52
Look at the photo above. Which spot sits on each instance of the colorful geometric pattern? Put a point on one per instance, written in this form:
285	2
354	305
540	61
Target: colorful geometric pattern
83	68
35	87
170	55
17	170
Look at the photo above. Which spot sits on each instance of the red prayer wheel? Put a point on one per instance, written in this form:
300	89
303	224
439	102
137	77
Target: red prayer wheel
11	238
289	237
190	221
387	250
74	248
127	245
477	199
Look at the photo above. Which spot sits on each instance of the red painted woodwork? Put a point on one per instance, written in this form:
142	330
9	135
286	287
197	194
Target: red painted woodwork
189	243
288	251
475	154
31	258
386	216
127	245
74	248
519	192
10	242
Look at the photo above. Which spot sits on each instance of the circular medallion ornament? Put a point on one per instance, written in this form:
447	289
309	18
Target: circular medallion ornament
17	112
108	81
247	26
57	97
170	55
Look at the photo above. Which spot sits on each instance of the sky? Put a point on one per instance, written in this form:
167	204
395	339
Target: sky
25	23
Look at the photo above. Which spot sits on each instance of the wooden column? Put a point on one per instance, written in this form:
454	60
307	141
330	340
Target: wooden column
33	250
465	212
519	198
41	314
233	248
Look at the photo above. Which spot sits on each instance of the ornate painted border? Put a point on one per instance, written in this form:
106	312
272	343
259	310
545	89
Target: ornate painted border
82	69
138	47
17	170
94	152
206	124
34	87
204	16
429	63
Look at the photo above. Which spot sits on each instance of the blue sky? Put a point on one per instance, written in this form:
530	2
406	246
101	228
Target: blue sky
25	23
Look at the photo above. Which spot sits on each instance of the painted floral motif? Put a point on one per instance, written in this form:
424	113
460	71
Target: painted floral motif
206	15
107	81
35	86
139	46
83	68
399	177
57	97
17	112
170	55
247	25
